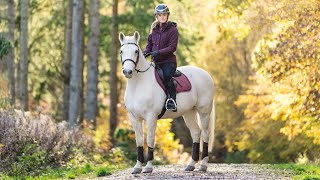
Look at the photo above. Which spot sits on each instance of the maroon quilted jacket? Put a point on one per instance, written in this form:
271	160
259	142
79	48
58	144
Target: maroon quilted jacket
165	40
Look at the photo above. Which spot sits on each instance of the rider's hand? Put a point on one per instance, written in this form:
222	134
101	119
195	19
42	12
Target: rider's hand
155	54
146	54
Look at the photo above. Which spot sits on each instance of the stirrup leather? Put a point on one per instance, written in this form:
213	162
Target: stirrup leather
170	100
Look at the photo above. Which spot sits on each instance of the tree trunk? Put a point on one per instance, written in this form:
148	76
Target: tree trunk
24	56
67	60
76	61
11	56
93	51
81	53
113	71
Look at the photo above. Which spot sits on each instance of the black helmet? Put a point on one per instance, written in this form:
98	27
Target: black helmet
161	9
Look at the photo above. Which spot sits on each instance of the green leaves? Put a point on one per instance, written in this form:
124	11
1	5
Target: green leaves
5	46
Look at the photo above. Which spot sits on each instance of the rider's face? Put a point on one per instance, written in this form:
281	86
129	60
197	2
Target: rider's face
162	18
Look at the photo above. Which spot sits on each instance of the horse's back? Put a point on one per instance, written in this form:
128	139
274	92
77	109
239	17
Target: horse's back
197	75
201	81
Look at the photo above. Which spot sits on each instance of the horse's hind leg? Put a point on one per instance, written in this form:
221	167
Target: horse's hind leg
204	114
190	119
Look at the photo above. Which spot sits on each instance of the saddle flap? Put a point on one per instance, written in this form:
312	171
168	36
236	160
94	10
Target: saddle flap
181	82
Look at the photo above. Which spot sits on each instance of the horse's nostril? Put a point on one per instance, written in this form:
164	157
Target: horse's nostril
130	72
124	71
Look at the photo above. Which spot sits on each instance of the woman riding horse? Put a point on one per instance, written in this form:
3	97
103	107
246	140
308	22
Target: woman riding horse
144	97
162	43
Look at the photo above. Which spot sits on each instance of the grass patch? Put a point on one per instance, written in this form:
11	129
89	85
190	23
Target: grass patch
103	172
87	171
302	172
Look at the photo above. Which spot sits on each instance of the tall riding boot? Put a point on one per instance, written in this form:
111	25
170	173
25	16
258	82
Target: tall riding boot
171	93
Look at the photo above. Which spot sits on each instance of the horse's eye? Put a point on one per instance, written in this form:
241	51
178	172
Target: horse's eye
136	51
121	52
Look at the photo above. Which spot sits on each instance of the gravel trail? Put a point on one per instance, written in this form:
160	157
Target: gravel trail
215	171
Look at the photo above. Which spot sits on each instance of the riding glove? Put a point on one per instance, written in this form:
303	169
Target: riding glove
146	54
155	55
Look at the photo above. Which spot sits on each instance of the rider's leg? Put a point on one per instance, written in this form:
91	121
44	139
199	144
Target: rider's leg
168	71
171	89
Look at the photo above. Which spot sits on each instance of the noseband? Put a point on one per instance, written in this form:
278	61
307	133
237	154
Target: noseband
134	62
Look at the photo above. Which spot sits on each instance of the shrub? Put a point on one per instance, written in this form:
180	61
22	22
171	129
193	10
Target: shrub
32	159
29	144
126	142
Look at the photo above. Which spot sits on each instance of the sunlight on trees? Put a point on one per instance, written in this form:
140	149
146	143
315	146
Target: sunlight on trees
288	59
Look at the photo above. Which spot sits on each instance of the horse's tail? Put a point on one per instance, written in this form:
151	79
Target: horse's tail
211	127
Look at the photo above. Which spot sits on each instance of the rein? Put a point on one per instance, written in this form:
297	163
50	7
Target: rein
134	62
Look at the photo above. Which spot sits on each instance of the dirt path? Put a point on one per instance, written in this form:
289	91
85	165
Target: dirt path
215	171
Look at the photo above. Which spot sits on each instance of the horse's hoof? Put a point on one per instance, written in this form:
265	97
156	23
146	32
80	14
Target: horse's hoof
203	168
147	170
189	168
136	171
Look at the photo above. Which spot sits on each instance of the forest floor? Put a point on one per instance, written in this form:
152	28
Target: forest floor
215	171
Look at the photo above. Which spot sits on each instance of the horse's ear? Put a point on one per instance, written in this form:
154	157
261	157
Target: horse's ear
121	37
136	36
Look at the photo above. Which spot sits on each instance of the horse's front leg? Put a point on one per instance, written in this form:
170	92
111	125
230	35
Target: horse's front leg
152	125
137	126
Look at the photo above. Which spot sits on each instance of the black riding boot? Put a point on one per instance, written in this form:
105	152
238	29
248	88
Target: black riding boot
171	93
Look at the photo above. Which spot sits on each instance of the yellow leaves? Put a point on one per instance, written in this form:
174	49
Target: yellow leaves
314	132
229	145
164	136
282	106
243	31
302	125
291	129
243	143
165	141
254	155
290	61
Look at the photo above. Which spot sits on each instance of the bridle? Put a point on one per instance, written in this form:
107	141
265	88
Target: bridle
134	62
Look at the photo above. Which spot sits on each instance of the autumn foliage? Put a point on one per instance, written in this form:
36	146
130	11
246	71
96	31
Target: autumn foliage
264	57
283	104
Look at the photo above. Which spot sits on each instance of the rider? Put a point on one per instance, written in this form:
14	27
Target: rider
162	43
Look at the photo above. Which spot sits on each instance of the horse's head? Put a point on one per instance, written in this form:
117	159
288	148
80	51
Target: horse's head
129	53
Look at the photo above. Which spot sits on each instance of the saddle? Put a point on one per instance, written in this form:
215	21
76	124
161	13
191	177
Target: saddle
180	81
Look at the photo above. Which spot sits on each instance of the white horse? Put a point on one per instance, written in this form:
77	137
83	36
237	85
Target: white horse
144	100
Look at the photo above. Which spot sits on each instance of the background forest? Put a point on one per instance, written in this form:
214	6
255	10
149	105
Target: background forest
60	65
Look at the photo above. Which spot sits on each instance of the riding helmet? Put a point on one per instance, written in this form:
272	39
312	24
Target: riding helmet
161	9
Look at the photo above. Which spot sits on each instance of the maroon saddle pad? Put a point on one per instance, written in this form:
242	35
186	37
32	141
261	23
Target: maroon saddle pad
182	82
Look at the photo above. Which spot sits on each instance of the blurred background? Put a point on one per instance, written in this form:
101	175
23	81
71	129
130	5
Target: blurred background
61	87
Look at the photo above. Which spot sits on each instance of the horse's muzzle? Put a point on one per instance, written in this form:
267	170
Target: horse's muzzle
127	73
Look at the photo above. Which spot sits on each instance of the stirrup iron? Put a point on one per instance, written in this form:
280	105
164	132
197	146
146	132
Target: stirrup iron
170	100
